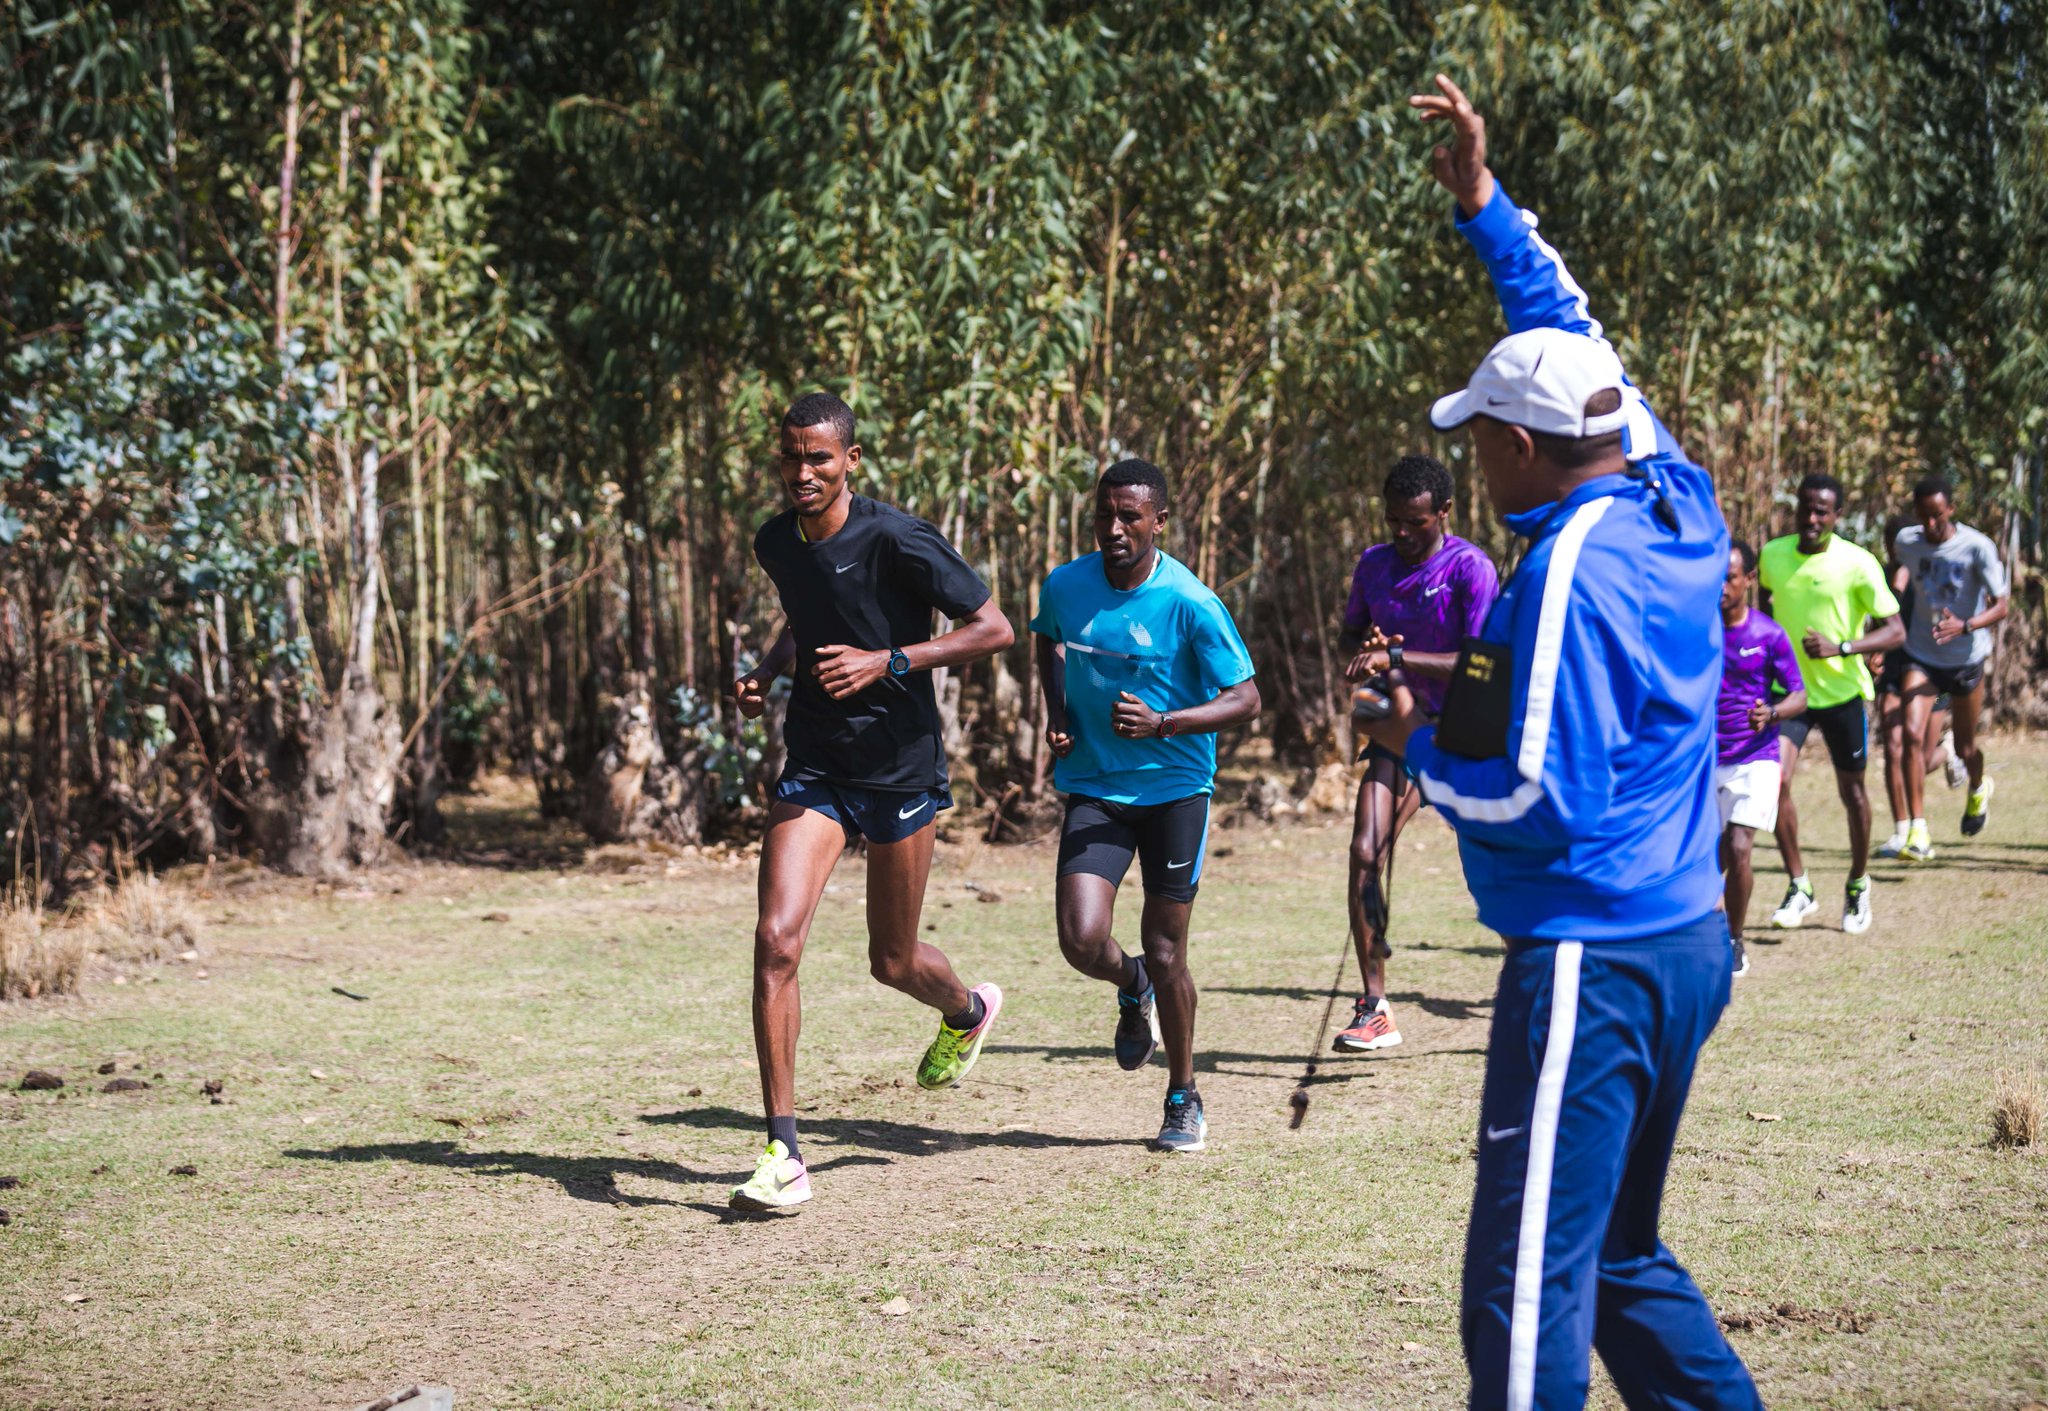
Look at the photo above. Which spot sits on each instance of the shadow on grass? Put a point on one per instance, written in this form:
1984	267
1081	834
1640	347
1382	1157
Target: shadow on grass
592	1178
1214	1060
1428	1004
876	1134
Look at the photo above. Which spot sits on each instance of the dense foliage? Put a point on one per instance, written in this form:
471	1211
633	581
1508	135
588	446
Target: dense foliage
407	369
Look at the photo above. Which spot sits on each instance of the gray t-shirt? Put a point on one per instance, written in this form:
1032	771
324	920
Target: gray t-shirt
1961	574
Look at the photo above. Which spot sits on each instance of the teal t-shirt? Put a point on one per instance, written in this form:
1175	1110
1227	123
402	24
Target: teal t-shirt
1169	642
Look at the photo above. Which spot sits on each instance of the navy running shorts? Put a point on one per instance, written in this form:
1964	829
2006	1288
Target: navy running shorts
1169	840
879	815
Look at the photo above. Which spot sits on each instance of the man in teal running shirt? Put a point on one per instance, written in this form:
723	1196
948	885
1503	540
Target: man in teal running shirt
1141	665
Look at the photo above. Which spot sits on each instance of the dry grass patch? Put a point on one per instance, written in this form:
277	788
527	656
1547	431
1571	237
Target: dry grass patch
2016	1105
35	959
139	918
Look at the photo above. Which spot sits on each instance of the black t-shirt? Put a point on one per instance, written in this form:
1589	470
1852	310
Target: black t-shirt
873	585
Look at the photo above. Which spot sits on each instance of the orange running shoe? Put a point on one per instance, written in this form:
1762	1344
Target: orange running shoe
1372	1027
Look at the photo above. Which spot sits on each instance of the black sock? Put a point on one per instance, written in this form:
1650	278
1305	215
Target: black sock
1135	979
969	1017
783	1129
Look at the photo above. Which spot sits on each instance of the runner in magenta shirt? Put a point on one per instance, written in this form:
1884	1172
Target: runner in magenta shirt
1430	590
1756	656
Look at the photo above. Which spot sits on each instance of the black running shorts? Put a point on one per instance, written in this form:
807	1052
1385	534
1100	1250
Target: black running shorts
1169	839
1949	680
1846	728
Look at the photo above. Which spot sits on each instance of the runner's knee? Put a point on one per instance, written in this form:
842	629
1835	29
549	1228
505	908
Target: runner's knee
777	947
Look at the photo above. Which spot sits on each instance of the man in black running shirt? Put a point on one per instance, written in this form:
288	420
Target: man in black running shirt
859	582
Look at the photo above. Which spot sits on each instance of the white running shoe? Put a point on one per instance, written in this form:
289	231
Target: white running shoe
1797	906
1957	772
1894	845
1856	913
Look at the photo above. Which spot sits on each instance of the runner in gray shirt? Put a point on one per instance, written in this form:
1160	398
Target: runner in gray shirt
1959	592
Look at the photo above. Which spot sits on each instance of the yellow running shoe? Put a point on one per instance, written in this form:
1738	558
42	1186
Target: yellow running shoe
953	1052
1978	809
779	1182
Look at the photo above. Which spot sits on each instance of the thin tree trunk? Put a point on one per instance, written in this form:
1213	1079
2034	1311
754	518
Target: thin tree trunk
281	292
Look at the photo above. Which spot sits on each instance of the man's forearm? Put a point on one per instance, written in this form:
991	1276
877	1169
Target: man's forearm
777	659
1052	680
1889	634
1433	666
983	634
1234	706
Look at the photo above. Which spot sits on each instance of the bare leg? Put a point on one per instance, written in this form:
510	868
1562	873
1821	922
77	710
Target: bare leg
1085	909
1968	707
796	859
1919	741
1787	831
1856	800
897	873
1891	716
1375	829
1164	930
1737	843
1938	723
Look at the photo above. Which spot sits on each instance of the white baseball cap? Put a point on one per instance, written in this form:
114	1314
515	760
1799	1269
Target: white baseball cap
1541	378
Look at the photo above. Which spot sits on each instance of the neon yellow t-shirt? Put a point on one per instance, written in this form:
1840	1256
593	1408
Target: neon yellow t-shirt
1835	593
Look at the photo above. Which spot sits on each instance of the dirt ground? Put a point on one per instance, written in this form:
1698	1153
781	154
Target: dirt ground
499	1161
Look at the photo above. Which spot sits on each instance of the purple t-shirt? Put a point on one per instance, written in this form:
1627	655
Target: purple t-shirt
1755	655
1433	606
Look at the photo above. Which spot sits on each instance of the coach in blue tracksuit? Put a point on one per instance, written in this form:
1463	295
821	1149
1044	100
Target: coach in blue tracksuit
1574	757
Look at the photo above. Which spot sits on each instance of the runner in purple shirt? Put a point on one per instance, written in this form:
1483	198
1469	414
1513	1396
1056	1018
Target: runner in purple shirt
1756	656
1414	601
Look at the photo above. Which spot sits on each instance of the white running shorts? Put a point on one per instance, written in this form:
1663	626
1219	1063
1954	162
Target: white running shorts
1748	794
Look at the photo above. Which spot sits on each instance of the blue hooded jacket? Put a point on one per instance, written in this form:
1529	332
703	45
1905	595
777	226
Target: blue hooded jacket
1599	823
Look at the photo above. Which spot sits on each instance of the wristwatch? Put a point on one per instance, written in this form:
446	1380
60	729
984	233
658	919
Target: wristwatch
1394	657
1167	725
899	664
1846	648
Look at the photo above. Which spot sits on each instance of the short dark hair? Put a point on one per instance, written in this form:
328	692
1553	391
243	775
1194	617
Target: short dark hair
821	409
1136	473
1821	480
1741	546
1575	452
1418	475
1935	485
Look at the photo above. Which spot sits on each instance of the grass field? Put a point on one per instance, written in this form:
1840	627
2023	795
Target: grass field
505	1168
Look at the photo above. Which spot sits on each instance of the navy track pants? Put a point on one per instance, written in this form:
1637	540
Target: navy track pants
1587	1070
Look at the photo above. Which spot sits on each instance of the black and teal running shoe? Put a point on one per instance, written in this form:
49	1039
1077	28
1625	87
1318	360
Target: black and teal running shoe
1184	1129
1137	1029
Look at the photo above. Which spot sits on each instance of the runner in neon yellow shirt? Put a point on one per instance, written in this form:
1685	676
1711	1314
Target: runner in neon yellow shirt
1832	599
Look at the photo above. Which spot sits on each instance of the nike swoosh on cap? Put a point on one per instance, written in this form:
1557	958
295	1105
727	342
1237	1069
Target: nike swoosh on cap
917	807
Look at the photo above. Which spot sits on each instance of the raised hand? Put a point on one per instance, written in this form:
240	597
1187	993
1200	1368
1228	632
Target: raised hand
1461	166
1371	658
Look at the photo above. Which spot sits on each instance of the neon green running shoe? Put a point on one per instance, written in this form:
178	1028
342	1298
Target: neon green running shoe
1978	809
779	1182
953	1052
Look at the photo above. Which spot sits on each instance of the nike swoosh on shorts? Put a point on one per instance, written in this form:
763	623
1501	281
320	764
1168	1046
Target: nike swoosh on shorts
842	568
1501	1134
1171	865
917	807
